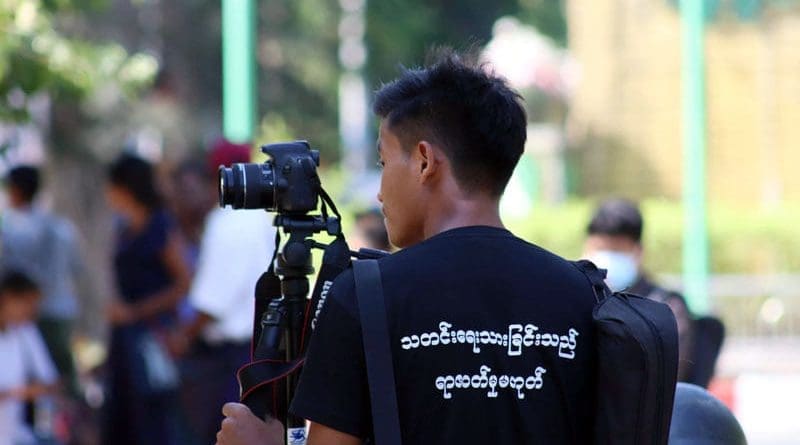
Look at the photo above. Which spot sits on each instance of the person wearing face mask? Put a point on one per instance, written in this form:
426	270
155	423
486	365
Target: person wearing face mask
614	243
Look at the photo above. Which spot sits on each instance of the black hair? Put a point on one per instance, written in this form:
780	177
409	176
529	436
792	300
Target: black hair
15	283
135	175
24	179
618	217
475	117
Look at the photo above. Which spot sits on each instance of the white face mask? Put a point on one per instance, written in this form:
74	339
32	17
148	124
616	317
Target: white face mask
622	268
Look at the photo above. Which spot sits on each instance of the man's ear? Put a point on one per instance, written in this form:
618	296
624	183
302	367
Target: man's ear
427	160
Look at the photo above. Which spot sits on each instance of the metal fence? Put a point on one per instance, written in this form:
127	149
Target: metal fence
753	306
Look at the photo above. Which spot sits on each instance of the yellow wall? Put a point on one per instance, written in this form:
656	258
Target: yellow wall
625	116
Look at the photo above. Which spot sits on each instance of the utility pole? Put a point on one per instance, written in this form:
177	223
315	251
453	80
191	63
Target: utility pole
353	101
238	70
695	236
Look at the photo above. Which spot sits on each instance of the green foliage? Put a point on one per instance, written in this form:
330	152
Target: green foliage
36	57
547	16
299	68
299	72
400	33
740	241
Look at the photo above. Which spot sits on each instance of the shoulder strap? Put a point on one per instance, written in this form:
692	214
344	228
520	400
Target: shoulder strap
377	352
595	276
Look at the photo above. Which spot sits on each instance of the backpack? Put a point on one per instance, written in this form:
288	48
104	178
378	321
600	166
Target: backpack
637	365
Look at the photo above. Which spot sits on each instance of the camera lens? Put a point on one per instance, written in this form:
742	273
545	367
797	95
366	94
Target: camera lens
247	186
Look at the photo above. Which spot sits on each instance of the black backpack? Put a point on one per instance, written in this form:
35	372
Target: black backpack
637	365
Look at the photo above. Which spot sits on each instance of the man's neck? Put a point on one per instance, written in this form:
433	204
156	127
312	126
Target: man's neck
482	211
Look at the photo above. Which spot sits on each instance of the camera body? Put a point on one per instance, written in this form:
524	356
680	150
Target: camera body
286	183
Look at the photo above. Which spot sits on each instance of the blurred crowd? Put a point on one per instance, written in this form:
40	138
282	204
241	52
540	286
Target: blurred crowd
180	319
180	316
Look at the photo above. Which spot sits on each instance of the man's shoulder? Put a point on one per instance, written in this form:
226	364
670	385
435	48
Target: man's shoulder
507	248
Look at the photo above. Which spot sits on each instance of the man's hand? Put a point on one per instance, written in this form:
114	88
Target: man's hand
242	427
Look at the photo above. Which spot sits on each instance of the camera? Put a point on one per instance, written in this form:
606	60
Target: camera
286	183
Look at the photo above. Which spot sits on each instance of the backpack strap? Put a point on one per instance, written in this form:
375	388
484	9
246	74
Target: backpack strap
377	352
596	276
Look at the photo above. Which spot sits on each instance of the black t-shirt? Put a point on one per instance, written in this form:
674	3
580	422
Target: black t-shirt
491	338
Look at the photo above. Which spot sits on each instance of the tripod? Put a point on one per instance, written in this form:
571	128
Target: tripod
284	325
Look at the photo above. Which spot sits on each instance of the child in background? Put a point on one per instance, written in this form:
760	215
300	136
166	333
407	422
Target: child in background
27	370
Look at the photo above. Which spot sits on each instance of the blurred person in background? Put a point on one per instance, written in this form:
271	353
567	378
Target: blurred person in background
371	230
614	243
235	249
27	371
151	277
191	202
45	247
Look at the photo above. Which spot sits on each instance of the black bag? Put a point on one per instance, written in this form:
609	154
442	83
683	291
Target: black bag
637	365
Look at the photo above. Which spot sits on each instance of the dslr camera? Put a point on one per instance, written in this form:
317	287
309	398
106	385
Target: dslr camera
286	183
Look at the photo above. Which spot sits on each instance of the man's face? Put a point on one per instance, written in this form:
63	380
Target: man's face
15	198
193	195
19	309
621	256
401	193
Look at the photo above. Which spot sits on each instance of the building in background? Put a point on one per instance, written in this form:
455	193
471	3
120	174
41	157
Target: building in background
625	114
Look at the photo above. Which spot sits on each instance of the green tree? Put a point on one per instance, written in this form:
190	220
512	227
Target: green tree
36	56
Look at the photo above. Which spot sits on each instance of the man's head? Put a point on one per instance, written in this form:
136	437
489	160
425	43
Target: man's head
192	195
614	241
132	185
22	183
450	127
19	298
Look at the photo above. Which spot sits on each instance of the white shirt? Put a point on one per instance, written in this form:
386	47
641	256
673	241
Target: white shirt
24	360
236	248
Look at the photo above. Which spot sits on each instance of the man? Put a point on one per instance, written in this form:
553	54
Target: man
235	248
491	337
614	243
45	247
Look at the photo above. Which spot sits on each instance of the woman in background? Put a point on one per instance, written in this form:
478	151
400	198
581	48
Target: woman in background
150	277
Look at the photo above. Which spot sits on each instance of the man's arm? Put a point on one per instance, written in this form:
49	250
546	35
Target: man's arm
333	388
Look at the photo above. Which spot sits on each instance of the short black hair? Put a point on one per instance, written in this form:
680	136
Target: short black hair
135	175
26	180
617	217
476	118
15	283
